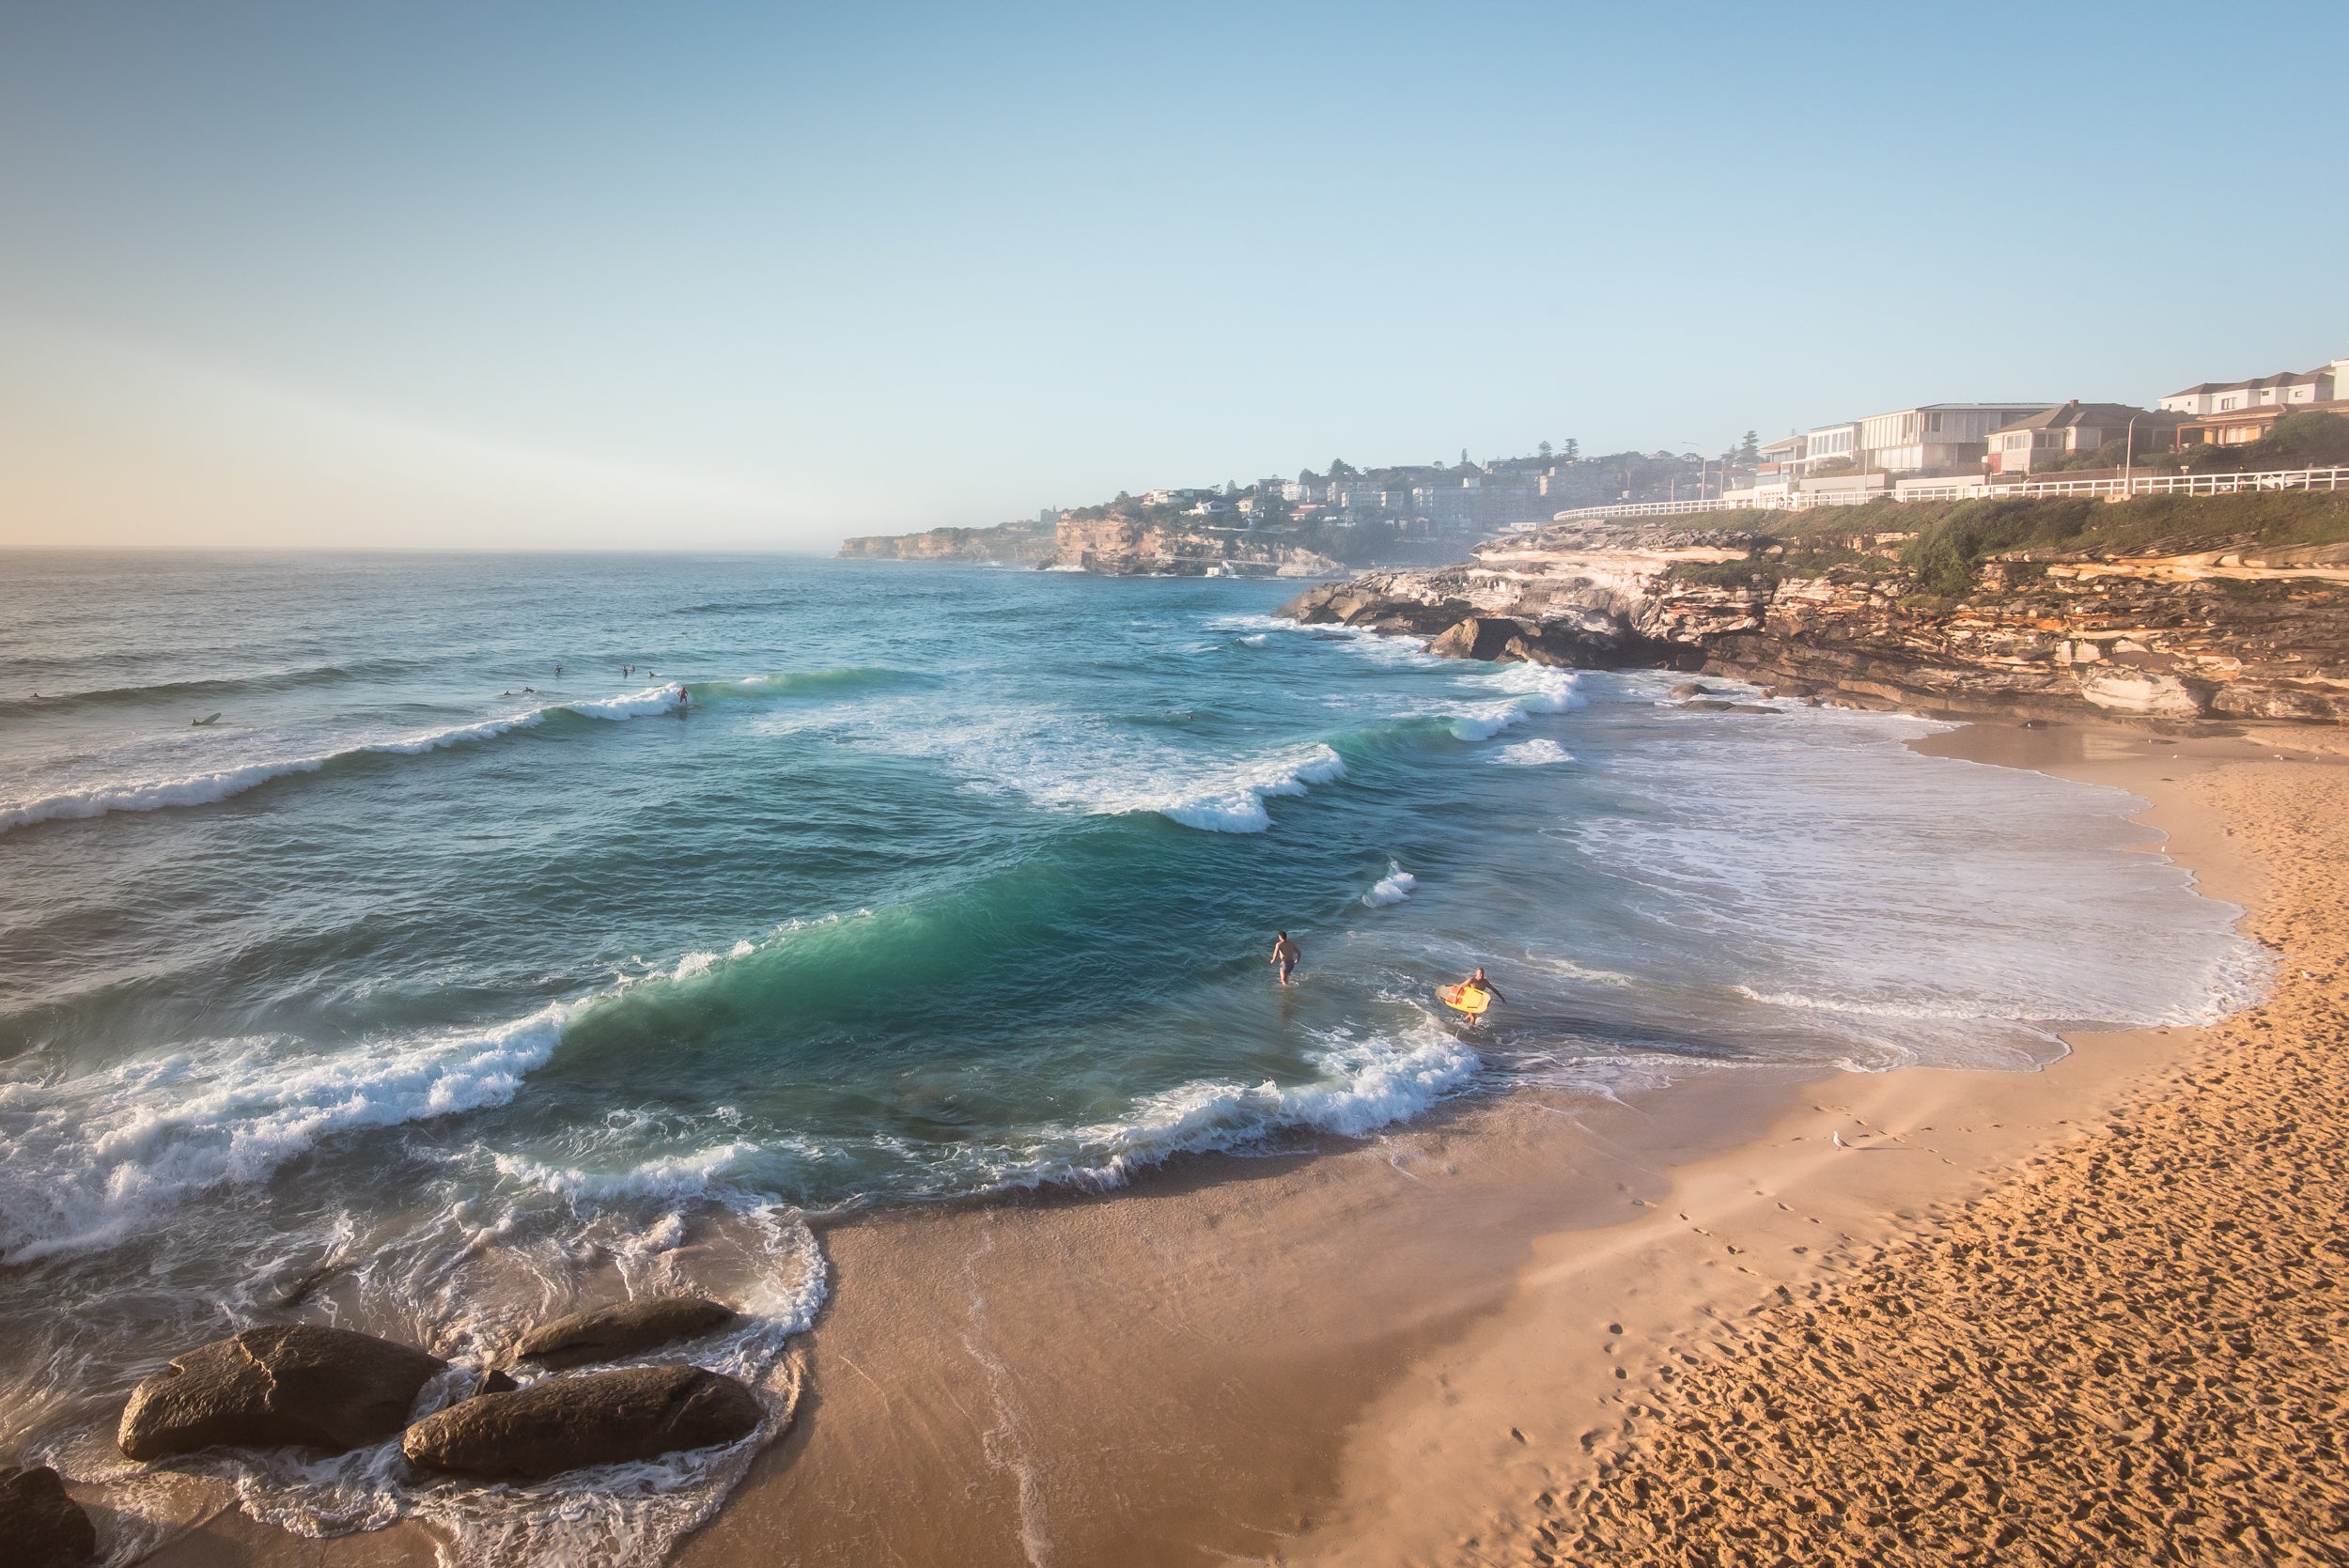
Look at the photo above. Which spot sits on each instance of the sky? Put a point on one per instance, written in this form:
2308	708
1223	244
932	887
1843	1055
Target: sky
697	275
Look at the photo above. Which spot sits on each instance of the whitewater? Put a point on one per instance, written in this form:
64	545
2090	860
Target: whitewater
538	929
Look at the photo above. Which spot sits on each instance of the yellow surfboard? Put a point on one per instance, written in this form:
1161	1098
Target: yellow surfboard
1464	998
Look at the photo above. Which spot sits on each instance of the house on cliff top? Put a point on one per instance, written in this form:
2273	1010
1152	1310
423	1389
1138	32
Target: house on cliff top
2078	426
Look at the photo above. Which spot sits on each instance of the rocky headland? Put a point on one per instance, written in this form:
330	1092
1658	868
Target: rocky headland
2225	607
1006	544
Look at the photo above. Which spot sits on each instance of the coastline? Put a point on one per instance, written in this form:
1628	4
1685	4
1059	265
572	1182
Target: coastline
1379	1352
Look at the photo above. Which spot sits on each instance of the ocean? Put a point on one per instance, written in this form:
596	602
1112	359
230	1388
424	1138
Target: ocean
531	929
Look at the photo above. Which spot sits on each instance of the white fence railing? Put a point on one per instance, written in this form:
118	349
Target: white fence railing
2335	479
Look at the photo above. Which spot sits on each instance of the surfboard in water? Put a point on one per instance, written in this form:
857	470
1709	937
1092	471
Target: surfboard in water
1464	998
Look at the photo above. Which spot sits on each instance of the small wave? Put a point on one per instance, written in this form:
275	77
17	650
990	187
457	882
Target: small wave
1237	807
1533	689
212	687
205	788
798	683
1394	887
86	1161
1531	753
693	1175
1364	1085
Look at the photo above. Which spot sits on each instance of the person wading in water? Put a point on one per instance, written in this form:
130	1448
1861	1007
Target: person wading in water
1286	955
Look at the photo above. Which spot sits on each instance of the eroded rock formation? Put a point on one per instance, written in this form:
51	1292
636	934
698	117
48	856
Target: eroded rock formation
2216	634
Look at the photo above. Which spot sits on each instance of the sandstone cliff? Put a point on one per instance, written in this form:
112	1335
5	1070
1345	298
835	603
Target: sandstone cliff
1122	546
2242	632
1008	544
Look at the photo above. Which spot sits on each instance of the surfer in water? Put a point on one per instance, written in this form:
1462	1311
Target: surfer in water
1471	997
1286	955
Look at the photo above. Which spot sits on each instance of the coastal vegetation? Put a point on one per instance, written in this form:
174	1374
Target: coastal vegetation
1942	544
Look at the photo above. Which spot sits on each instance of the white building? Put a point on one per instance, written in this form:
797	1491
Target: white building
1829	443
1937	438
2322	384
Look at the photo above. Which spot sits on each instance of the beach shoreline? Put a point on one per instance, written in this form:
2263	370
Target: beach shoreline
1373	1352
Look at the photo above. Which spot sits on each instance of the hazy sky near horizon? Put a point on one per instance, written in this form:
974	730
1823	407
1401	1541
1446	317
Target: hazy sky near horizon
719	275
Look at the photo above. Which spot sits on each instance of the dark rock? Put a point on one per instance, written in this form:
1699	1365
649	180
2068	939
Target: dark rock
293	1383
498	1382
609	1334
594	1418
1486	637
40	1525
1688	689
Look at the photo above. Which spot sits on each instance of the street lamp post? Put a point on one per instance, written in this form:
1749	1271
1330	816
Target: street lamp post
2128	456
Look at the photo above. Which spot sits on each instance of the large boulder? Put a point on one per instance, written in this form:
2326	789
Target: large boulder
293	1383
630	1329
591	1418
42	1527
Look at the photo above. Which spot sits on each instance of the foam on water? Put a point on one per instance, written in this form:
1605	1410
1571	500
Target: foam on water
1364	1083
86	1161
1532	753
1236	804
1394	887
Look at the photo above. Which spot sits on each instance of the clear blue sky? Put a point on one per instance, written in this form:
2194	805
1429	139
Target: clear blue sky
720	274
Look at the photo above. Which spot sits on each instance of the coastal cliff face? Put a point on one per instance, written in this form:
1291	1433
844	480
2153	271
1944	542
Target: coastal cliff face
1009	544
1121	546
2227	633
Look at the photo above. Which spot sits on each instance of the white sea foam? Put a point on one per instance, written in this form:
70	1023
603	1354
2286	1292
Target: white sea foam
1235	806
690	1176
1364	1084
1394	887
1531	753
1531	688
87	1161
199	788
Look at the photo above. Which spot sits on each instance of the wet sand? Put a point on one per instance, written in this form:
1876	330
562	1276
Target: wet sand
1417	1350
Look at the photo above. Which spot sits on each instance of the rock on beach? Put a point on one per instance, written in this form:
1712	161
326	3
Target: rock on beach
628	1328
39	1526
290	1383
594	1418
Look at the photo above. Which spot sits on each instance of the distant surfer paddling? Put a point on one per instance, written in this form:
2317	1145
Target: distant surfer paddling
1286	955
1471	997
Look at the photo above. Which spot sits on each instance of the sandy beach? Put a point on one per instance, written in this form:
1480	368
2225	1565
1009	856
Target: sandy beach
1909	1316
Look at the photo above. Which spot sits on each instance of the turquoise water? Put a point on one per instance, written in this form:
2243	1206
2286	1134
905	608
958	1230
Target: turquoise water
425	964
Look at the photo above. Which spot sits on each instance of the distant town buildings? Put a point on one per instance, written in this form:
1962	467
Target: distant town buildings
1927	449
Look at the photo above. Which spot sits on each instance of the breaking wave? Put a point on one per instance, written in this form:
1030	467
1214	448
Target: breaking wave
1394	887
86	1161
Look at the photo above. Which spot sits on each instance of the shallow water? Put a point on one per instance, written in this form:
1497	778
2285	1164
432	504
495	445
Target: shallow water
429	987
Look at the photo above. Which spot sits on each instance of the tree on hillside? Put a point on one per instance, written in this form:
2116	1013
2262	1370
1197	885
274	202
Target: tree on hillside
1545	450
1341	469
1749	449
1574	450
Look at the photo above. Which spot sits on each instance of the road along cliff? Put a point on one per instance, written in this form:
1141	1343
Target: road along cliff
2239	627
